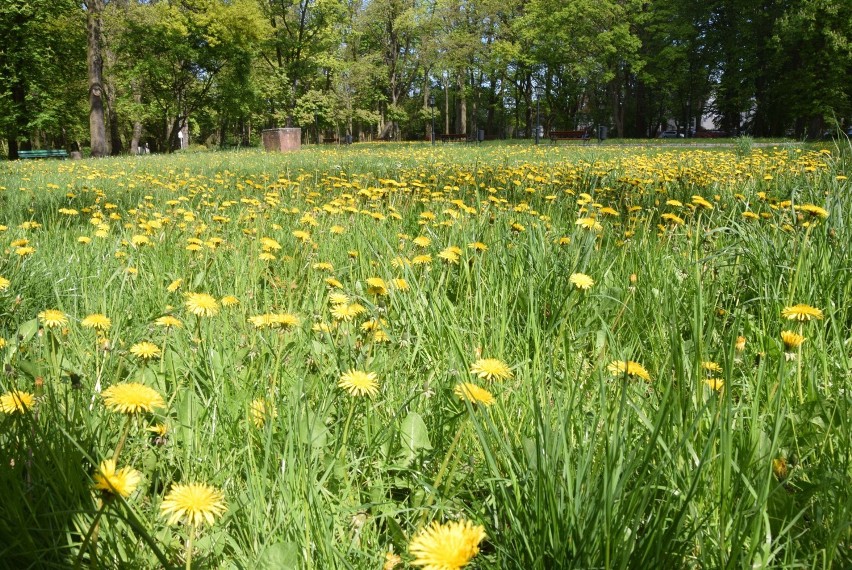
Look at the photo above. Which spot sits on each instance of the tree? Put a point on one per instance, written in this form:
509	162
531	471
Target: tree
30	96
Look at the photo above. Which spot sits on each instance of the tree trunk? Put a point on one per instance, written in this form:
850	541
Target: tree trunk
97	127
137	124
114	132
461	120
446	106
426	92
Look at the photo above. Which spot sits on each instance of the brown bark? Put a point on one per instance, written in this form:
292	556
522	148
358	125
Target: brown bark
462	116
97	126
137	124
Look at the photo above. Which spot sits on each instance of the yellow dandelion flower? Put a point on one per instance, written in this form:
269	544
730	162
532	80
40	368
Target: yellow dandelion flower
53	318
715	384
122	482
16	402
422	241
711	366
359	383
473	394
322	327
628	367
740	344
229	301
801	313
450	546
813	210
377	286
274	321
400	284
338	298
4	283
424	259
97	321
449	255
132	398
791	340
581	281
333	283
391	561
478	246
145	350
269	244
779	468
589	224
174	285
195	503
491	369
202	304
673	218
347	312
168	321
261	411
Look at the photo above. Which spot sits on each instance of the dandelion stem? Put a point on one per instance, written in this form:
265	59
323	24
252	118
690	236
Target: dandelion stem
123	438
346	427
189	547
91	535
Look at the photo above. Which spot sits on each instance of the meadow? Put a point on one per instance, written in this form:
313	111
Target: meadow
393	356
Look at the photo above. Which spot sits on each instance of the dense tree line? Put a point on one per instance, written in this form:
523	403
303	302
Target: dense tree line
115	75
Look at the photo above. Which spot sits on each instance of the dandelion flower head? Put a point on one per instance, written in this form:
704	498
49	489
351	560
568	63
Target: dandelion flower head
121	482
359	383
52	318
581	281
491	369
195	503
16	402
473	394
801	313
628	367
145	350
131	398
97	321
446	547
202	304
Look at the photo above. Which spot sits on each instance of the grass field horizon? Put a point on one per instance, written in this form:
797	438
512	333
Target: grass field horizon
592	356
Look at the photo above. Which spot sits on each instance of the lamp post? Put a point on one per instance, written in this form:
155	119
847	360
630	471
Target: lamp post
432	106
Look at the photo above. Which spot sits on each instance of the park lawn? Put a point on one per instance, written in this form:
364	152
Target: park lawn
604	357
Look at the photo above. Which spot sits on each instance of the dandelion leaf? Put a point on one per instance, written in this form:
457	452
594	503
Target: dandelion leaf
278	555
414	436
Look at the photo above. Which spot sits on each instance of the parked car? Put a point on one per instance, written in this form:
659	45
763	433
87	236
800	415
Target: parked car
670	135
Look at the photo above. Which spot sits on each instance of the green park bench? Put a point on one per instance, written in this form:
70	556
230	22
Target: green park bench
50	153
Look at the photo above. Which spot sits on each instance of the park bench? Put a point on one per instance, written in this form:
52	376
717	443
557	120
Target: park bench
453	137
51	153
569	136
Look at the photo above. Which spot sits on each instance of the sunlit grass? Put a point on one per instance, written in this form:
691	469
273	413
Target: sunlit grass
352	343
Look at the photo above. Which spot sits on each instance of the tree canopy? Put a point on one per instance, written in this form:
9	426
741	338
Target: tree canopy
223	70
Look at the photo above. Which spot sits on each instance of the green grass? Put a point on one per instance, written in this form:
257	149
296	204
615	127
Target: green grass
571	467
